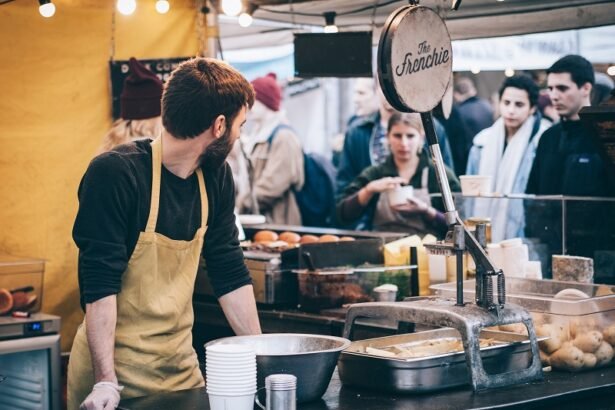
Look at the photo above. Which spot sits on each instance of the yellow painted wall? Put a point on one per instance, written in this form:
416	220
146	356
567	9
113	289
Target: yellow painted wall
55	107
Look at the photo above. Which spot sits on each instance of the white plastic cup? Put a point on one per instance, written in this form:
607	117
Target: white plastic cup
229	349
473	185
231	366
231	389
235	402
231	378
234	391
231	360
400	195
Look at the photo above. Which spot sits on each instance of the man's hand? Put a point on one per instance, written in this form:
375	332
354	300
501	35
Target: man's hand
104	396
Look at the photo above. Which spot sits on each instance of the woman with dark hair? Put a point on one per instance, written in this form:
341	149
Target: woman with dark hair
505	151
408	164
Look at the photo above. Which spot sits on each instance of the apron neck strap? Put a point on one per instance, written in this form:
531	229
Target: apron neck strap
155	199
156	173
425	177
204	200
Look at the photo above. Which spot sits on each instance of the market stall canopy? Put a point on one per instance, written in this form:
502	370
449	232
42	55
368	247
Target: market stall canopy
276	20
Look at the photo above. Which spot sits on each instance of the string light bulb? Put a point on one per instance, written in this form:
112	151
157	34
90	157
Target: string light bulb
611	70
509	72
162	6
475	70
245	18
46	8
330	26
126	7
231	7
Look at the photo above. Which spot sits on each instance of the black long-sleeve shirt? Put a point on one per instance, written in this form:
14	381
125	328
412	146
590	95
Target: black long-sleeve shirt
114	203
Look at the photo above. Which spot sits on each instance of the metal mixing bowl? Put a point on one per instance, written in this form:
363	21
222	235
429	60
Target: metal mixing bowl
311	358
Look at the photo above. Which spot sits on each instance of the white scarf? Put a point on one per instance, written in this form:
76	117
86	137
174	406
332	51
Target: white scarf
262	130
503	167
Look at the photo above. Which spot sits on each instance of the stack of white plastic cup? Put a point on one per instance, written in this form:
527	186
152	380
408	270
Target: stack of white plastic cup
231	376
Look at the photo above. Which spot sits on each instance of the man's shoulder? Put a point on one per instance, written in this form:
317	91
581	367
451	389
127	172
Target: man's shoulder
551	134
286	133
122	160
362	127
218	178
366	121
136	150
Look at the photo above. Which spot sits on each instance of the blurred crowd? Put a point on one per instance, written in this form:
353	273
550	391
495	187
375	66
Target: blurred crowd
531	140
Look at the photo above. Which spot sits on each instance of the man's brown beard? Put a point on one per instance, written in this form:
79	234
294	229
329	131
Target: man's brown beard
215	154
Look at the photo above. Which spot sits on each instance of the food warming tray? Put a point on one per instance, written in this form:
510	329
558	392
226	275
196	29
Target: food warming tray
431	373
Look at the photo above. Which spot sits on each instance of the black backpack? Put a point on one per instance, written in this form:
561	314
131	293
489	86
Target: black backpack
316	199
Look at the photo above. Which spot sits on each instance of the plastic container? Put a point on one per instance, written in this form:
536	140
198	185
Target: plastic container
579	318
472	185
23	278
327	289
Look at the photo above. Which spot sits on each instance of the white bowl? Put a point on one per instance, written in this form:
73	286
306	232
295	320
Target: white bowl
400	195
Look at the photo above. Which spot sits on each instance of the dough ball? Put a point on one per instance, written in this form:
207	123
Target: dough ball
290	238
265	236
308	239
328	238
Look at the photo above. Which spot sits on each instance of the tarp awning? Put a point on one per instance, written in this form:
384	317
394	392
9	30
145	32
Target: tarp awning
275	24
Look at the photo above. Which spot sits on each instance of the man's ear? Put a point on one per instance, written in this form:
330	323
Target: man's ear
533	110
587	89
219	126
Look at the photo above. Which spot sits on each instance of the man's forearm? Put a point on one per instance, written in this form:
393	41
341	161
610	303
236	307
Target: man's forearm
101	318
239	308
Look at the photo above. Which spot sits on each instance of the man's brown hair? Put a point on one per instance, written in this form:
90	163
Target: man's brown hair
198	91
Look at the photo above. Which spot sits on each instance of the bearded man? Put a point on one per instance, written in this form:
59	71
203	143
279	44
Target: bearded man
144	210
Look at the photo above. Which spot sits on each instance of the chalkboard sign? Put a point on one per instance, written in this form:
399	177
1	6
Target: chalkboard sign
120	69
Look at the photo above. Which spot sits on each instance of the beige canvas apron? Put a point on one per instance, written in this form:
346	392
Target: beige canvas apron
153	338
386	219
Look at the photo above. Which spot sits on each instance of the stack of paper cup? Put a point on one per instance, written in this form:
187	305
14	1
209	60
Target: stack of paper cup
231	376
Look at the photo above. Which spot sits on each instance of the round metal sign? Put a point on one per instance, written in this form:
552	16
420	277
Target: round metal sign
415	59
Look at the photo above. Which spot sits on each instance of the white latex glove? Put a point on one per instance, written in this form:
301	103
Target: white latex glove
104	396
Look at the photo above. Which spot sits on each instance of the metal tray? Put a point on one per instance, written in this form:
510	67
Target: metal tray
430	373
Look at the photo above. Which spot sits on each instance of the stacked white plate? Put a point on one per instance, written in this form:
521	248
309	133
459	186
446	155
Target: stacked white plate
230	376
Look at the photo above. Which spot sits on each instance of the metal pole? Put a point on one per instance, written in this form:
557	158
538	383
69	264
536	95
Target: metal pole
438	162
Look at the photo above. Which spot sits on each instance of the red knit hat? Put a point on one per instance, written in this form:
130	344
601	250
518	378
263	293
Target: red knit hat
268	91
141	94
